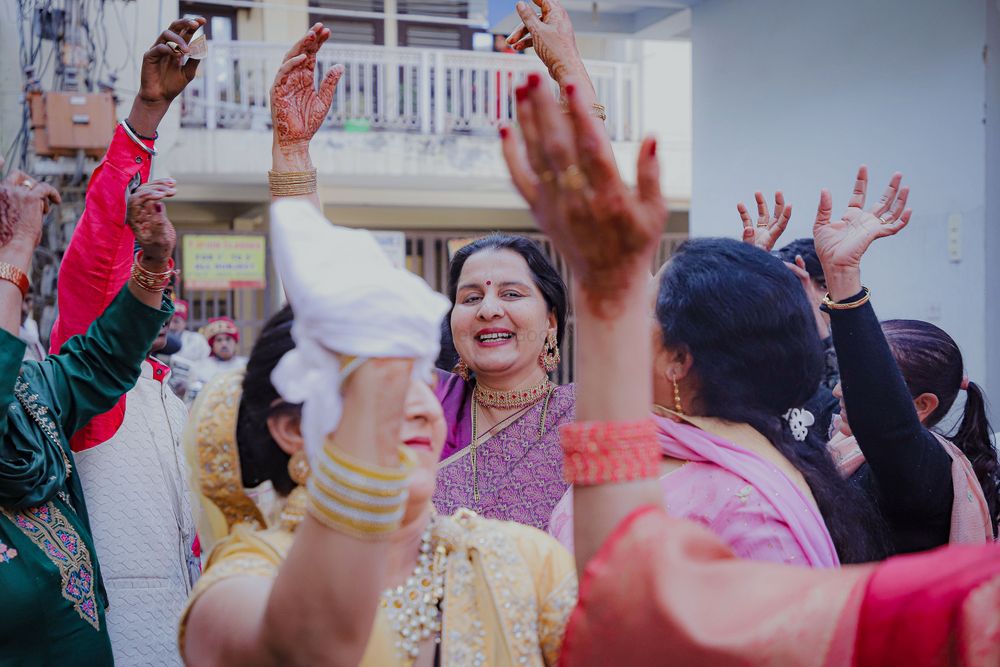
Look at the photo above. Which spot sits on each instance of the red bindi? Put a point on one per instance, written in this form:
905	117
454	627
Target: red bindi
489	282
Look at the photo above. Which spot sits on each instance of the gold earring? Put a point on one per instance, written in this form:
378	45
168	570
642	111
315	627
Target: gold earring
549	358
461	369
295	506
678	406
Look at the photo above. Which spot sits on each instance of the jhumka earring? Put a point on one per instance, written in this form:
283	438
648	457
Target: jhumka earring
295	507
461	370
549	358
678	407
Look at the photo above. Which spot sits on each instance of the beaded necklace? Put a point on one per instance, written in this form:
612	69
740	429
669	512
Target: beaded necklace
413	607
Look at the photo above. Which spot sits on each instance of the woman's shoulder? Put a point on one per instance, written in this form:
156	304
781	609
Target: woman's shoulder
246	551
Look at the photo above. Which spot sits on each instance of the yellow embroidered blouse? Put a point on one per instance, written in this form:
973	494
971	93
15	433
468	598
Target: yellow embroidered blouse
509	590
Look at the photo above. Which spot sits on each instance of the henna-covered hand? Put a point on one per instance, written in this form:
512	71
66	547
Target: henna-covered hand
607	232
298	109
23	205
147	217
765	233
552	37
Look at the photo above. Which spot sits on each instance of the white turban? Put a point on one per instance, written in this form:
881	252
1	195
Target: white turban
348	299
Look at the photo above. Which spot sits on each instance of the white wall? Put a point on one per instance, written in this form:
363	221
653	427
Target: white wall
795	95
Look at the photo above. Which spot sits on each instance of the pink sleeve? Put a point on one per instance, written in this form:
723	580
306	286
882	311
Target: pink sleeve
99	257
97	263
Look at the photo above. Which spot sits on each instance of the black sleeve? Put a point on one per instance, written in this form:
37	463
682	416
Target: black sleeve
912	469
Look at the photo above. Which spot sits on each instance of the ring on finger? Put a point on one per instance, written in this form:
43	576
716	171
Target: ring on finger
884	221
761	225
573	178
28	183
546	177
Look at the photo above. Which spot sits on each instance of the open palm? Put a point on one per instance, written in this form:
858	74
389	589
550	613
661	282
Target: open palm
298	109
842	243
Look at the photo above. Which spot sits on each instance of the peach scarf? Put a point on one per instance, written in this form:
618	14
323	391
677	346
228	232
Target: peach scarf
970	515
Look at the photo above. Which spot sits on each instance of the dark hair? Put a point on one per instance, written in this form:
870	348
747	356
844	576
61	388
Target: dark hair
748	325
260	456
807	249
931	363
543	273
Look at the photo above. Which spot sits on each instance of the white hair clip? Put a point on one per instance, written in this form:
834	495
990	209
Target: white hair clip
799	420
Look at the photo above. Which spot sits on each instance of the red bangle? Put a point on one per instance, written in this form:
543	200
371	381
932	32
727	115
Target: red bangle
603	452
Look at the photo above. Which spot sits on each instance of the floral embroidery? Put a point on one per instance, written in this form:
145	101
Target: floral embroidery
556	609
6	553
49	529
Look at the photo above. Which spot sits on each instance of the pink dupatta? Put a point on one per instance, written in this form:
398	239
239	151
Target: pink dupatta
970	514
689	443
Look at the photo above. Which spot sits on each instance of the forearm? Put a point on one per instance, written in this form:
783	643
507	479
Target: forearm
614	385
293	158
903	456
10	294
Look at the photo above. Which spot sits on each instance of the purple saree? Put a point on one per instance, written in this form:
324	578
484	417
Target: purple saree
519	468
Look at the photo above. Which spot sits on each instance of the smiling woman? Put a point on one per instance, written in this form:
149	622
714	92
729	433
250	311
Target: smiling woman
502	457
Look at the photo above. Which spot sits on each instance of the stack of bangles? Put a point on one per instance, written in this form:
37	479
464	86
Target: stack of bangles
608	452
150	280
357	498
292	183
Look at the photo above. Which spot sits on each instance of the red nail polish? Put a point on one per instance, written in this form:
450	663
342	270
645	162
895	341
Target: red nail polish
534	80
521	93
159	207
570	89
652	148
504	132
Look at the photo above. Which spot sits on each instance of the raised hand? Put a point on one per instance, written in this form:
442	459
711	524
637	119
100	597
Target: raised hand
764	234
147	217
565	170
297	107
164	75
841	243
551	35
23	205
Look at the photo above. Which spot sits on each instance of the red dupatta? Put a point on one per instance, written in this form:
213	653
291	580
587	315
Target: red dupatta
664	591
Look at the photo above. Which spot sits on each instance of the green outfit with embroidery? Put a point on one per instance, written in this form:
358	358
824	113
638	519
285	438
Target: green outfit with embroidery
53	598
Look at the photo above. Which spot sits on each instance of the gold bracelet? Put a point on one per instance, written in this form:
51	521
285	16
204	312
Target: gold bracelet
833	305
292	183
357	498
151	281
12	274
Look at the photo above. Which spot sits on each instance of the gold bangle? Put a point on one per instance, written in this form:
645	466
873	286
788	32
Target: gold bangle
833	305
292	183
357	498
151	281
12	274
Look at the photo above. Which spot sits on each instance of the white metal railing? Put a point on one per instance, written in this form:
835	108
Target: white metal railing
397	89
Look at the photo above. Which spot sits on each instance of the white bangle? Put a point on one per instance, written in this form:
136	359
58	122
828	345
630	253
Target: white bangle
136	139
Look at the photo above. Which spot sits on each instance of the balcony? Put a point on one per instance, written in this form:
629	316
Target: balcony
403	90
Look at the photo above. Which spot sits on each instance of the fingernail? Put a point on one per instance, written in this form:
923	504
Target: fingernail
534	80
652	148
570	89
521	5
504	131
521	93
159	207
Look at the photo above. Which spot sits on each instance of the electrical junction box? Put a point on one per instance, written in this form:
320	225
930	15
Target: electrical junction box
66	122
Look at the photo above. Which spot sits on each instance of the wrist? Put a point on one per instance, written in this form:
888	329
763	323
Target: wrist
17	255
291	157
146	114
154	261
843	283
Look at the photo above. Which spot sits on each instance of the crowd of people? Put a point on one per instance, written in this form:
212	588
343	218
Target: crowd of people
750	467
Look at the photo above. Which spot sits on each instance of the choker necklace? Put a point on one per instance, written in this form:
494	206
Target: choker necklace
412	608
513	399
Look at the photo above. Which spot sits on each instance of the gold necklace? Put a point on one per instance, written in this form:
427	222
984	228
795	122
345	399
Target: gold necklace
474	444
510	399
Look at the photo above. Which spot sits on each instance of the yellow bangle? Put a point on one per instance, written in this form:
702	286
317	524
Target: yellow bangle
833	305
